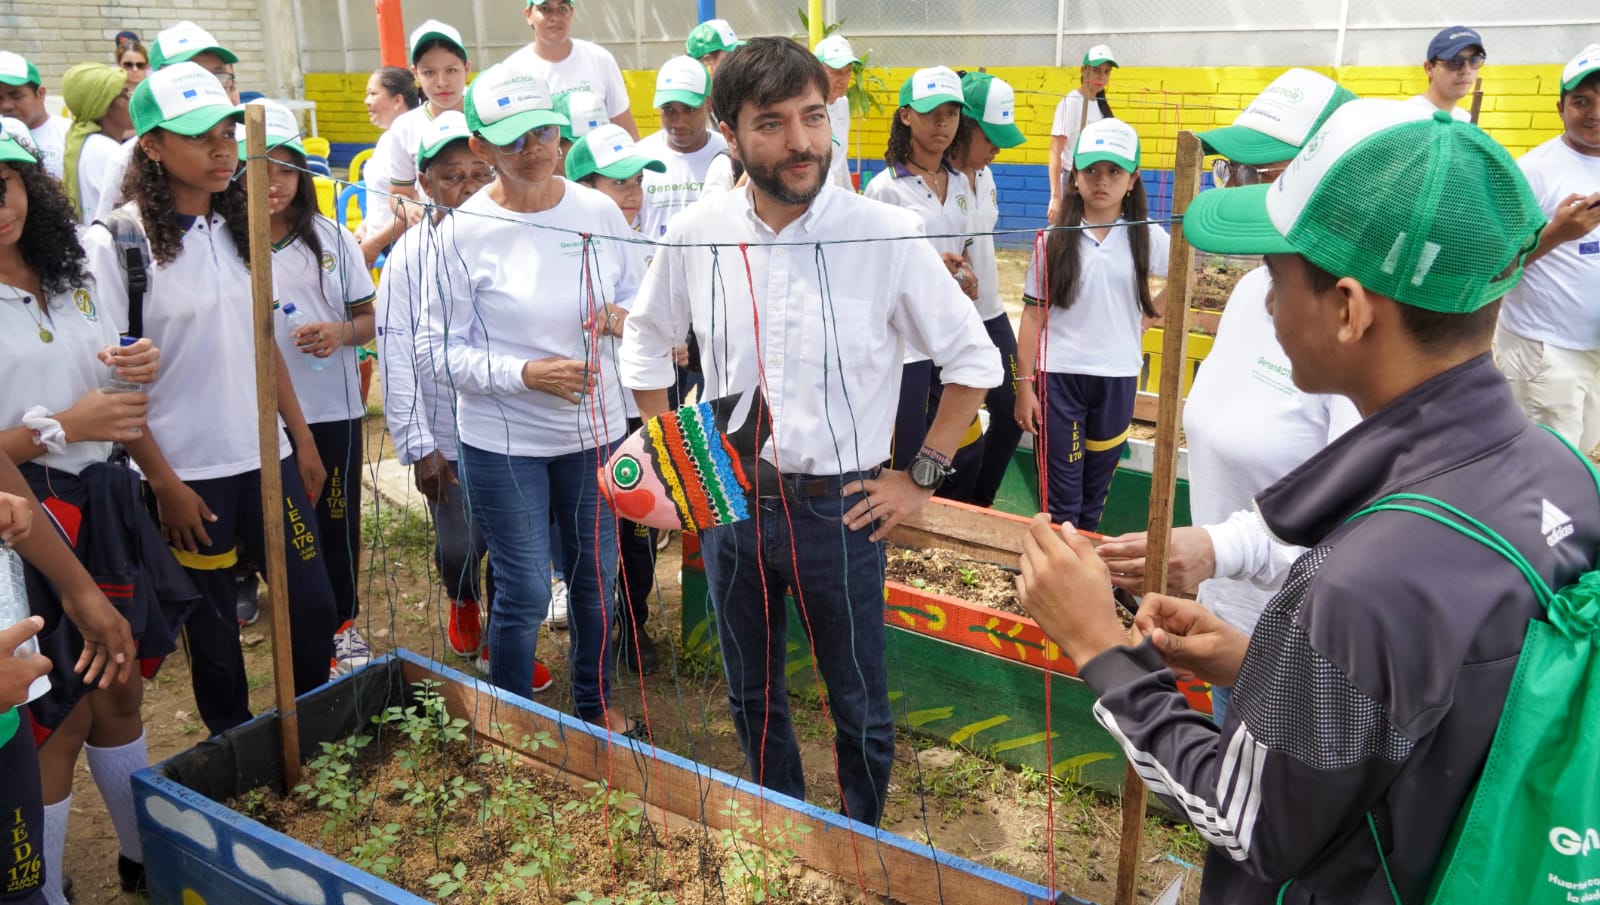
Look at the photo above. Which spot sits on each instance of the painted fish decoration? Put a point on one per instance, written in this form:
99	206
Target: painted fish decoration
695	467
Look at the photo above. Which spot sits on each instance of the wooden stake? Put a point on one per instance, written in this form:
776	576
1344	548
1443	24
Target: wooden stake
1164	474
255	125
1477	99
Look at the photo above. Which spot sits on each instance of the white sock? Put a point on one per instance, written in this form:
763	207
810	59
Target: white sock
55	845
113	769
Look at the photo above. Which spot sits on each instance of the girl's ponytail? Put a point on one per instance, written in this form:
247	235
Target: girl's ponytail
1136	209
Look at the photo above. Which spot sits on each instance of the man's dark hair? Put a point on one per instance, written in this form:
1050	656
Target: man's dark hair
1592	80
763	72
1434	330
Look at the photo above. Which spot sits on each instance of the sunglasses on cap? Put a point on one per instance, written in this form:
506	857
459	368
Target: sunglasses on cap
544	135
1474	61
1228	173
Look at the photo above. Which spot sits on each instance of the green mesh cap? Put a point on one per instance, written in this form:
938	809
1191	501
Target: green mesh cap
185	41
584	110
1416	206
181	98
711	36
1280	120
609	151
15	69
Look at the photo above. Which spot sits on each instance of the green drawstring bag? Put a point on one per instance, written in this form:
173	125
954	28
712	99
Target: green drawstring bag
1530	830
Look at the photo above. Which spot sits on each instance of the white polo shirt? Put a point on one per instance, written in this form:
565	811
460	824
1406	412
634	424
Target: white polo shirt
115	169
407	129
1247	426
198	313
58	373
51	137
944	222
985	213
376	174
1558	300
1065	123
588	66
1460	113
834	325
325	290
500	294
667	194
420	414
1099	335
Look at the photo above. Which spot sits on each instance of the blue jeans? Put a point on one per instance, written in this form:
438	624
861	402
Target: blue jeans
513	497
837	577
1221	698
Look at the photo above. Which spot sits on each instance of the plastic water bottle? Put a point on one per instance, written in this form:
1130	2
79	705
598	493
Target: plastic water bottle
297	319
117	384
14	609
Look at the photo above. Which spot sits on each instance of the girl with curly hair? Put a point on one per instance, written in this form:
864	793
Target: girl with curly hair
186	216
60	414
317	266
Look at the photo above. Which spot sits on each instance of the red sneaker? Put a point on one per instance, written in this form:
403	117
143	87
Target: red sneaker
466	628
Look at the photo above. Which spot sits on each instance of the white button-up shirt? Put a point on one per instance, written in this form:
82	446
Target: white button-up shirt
822	327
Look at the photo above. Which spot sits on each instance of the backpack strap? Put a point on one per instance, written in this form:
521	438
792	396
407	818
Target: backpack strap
128	233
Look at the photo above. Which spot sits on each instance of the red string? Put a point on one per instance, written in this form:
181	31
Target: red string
1041	259
794	563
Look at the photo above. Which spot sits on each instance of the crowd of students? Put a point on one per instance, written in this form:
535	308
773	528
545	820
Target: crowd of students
551	279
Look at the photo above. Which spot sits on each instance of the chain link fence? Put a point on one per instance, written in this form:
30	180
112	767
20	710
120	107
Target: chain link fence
341	35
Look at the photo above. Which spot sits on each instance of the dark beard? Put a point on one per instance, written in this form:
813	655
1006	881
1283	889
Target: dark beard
767	179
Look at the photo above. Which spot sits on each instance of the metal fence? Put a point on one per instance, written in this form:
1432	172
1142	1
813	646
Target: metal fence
341	36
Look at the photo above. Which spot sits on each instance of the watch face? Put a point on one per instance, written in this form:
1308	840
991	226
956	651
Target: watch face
926	473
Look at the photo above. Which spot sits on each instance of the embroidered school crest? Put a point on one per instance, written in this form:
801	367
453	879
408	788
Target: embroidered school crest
328	263
961	202
85	304
696	467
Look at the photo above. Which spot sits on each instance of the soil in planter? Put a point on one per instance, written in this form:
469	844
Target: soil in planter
462	822
1214	281
947	573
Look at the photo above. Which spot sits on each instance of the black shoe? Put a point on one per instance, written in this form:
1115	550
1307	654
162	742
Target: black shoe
640	659
131	873
638	730
66	888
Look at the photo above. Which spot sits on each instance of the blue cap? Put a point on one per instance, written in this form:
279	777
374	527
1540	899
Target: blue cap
1446	44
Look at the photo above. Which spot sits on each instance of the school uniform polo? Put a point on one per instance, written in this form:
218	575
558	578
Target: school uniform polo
325	290
500	294
198	312
944	222
1099	335
58	373
401	156
985	213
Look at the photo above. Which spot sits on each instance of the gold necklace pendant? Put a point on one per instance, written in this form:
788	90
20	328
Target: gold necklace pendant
45	336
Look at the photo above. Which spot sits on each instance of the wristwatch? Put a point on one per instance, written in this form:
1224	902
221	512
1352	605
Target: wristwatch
929	469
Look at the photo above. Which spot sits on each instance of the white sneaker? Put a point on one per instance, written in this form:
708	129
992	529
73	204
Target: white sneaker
558	604
350	650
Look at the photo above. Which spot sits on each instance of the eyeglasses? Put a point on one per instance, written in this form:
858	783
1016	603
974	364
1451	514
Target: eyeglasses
133	65
544	135
1455	63
1226	172
227	79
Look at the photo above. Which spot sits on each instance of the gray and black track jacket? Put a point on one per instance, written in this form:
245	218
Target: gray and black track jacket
1376	677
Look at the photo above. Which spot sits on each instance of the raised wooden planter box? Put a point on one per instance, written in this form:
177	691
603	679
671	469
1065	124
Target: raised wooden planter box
198	851
959	671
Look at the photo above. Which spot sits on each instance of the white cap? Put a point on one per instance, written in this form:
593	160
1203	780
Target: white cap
1584	63
15	69
282	127
434	29
1107	139
1100	53
1350	125
835	52
684	80
929	88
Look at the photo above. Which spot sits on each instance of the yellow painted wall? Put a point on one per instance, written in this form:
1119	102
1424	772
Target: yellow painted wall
1518	106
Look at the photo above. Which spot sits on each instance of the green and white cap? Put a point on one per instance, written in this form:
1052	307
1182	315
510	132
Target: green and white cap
182	98
928	88
1280	120
183	42
15	142
1574	72
504	103
532	3
283	130
434	30
835	52
1100	53
16	70
1416	206
711	36
584	111
608	150
993	104
443	129
684	80
1107	139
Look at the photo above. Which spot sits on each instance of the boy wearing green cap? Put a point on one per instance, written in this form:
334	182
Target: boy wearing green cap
1365	703
22	97
710	41
1548	342
571	64
685	144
